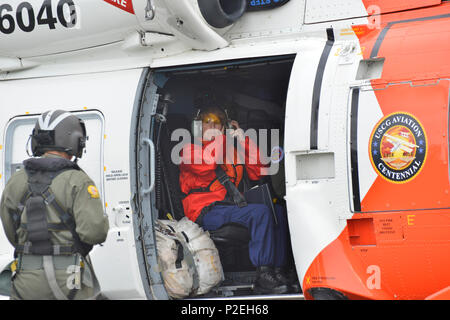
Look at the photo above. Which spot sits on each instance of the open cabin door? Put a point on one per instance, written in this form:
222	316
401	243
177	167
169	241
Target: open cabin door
143	162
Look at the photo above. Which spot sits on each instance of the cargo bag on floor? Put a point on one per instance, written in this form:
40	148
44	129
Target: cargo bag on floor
188	259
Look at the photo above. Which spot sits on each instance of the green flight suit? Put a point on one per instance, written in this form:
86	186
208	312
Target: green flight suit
75	192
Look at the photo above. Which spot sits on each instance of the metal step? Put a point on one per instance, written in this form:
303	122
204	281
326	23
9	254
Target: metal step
297	296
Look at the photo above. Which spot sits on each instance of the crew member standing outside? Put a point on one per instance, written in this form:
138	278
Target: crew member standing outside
53	215
209	203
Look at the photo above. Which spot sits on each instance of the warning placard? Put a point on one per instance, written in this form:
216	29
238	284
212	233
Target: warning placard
126	5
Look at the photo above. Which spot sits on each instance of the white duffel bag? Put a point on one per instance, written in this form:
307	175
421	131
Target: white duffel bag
188	259
177	274
205	255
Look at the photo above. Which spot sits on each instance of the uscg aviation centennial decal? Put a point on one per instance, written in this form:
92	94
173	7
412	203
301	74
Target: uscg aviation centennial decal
398	147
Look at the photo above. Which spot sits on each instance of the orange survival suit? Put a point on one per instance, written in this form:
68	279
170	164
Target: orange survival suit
198	178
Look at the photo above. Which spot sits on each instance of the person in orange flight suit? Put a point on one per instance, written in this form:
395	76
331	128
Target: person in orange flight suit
209	203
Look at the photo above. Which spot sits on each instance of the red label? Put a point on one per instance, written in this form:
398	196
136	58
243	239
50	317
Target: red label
126	5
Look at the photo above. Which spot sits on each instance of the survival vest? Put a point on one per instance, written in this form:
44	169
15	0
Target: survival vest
39	197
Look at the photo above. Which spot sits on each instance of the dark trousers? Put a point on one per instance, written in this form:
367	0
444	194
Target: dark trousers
269	241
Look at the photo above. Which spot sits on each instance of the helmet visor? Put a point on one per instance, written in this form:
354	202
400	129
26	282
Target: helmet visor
211	118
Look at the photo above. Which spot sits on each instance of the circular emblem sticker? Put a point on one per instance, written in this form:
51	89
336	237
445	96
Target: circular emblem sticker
398	147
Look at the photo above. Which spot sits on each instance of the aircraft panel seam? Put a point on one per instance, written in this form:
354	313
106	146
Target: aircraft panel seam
383	33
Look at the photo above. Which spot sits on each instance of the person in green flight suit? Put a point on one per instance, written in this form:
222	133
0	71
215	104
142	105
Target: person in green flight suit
52	214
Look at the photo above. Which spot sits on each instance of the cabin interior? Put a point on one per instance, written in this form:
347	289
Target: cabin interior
253	92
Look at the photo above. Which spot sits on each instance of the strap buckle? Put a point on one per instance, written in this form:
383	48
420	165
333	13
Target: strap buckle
48	196
223	178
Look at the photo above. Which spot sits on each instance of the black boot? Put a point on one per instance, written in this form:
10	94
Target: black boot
295	283
282	277
289	278
267	282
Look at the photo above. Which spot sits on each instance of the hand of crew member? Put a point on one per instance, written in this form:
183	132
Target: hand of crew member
238	132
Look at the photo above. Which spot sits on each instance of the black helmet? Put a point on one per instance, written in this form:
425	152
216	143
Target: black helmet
58	130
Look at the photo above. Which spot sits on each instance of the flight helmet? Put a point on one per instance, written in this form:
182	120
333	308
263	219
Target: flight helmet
58	130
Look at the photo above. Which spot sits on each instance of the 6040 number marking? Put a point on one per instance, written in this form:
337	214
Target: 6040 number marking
27	19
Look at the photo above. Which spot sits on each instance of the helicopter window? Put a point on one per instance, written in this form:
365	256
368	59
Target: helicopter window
17	145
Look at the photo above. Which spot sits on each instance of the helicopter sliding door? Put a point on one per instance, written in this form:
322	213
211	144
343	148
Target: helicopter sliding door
142	156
